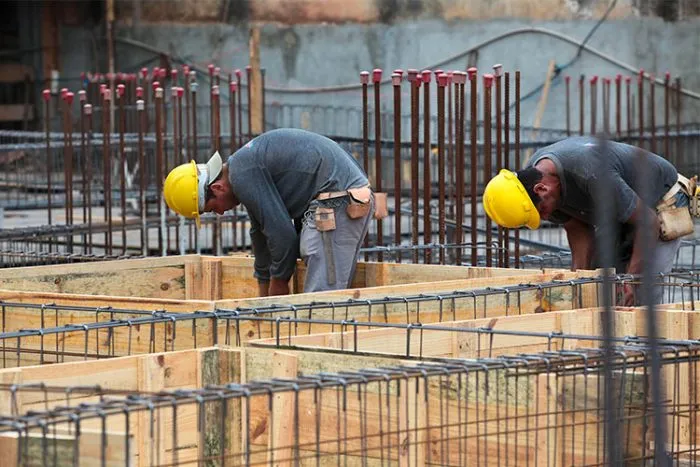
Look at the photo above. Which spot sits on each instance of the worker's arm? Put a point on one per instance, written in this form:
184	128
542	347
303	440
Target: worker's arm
271	228
652	223
581	242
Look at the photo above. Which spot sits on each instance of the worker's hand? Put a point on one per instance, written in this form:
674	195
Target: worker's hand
263	288
278	287
628	295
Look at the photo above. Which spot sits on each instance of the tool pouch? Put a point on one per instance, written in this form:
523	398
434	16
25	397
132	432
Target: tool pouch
675	222
324	219
359	202
695	203
381	210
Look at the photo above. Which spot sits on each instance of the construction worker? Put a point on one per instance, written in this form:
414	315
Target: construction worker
304	195
560	184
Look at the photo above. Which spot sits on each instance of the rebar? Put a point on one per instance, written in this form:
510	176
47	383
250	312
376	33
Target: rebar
618	105
594	103
364	79
396	83
442	83
473	117
652	111
158	100
498	99
427	182
506	150
517	146
640	91
567	82
249	87
376	79
413	79
581	92
667	115
122	162
488	83
107	167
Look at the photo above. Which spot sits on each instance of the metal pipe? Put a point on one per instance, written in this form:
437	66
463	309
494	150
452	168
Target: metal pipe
441	82
594	103
176	139
606	105
377	78
187	77
427	185
238	74
497	73
628	85
69	166
413	80
232	113
249	72
473	118
46	93
567	80
488	82
451	168
396	83
194	86
216	225
122	162
82	97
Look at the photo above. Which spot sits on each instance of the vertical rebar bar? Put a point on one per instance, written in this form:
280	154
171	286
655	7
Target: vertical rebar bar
628	86
427	183
238	74
158	100
180	159
46	93
262	92
376	79
413	80
640	91
396	83
442	82
143	209
216	230
497	72
652	111
618	106
82	98
186	78
364	80
488	82
249	73
87	109
606	105
451	191
107	167
473	169
594	103
194	86
679	92
567	81
581	103
69	167
232	113
122	163
506	150
667	115
517	150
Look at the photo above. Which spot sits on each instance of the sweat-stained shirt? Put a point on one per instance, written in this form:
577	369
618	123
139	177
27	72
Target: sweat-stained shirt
576	159
276	176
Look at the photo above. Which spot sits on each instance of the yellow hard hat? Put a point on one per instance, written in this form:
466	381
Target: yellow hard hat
185	186
507	203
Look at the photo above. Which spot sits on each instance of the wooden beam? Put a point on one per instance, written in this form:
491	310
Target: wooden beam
256	103
281	441
551	68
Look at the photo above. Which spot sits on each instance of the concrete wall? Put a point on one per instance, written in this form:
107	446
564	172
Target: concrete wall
319	55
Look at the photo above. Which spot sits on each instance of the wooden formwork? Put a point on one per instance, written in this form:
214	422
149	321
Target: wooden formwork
206	329
210	277
494	423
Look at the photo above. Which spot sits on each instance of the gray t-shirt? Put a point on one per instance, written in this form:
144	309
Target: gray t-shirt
576	160
276	176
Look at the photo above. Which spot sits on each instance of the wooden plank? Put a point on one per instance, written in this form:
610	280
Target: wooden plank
61	449
148	277
211	279
282	432
15	72
193	281
16	112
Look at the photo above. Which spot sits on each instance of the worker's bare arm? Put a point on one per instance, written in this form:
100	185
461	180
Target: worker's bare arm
278	287
637	219
263	288
581	238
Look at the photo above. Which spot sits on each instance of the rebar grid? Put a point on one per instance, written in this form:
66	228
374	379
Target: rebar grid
528	409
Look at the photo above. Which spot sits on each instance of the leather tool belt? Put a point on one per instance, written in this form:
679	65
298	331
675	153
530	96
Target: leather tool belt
359	202
677	221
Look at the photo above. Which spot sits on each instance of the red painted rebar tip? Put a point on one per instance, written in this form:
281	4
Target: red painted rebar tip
82	95
215	90
425	75
248	68
438	72
64	91
396	79
412	74
47	94
82	76
103	88
173	74
594	79
155	85
376	75
628	79
163	73
364	77
107	95
606	80
120	76
232	86
399	72
144	72
488	80
139	92
442	79
180	92
69	97
217	71
497	69
567	78
211	69
238	73
120	89
668	76
471	72
618	78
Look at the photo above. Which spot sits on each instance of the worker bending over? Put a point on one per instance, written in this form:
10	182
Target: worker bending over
304	195
560	183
